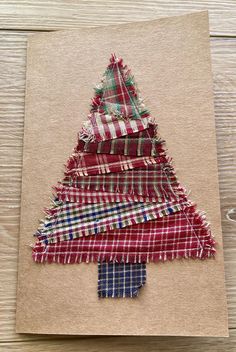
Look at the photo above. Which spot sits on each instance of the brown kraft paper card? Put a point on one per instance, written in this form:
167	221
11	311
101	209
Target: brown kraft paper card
170	60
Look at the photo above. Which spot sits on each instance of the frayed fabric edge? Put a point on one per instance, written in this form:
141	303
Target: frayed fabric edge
129	294
121	258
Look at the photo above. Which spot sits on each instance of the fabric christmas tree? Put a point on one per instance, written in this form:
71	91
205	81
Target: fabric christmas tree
120	203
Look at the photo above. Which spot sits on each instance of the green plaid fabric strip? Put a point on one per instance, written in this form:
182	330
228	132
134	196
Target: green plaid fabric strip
119	93
116	95
158	180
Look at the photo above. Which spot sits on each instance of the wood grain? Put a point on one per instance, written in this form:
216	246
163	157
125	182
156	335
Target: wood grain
51	15
65	14
125	344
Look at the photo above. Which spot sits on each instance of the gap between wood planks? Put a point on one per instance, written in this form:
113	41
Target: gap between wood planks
225	36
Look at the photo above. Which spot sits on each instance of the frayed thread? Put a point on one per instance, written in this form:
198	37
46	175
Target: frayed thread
73	258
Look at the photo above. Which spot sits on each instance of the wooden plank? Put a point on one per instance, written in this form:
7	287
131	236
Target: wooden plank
224	74
12	83
125	344
57	14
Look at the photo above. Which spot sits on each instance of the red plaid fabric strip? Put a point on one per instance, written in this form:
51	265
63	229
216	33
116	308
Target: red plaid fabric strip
104	127
73	220
75	195
144	143
125	146
155	181
84	164
179	235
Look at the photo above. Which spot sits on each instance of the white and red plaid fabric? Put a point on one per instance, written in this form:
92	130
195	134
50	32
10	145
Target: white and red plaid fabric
101	127
142	143
84	164
76	195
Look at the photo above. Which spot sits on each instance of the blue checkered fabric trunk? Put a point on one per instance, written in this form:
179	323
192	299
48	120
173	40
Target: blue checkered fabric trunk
120	279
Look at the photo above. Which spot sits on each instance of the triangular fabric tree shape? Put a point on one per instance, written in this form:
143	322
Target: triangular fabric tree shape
117	109
120	203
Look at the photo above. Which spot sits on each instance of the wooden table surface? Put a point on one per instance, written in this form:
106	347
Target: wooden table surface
20	19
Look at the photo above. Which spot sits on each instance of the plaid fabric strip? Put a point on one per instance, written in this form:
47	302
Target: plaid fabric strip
115	146
75	195
84	164
120	279
117	94
125	146
182	234
158	181
102	127
72	220
143	143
